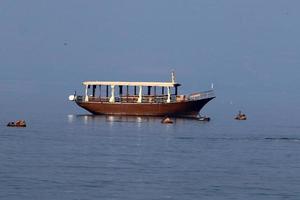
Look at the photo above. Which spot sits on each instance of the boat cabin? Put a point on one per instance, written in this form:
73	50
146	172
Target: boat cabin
130	92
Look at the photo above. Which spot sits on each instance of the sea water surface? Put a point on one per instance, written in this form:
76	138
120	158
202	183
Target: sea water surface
71	156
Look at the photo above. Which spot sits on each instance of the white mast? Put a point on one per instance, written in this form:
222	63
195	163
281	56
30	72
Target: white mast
173	77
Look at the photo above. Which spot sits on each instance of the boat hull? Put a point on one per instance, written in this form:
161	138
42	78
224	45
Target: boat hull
176	109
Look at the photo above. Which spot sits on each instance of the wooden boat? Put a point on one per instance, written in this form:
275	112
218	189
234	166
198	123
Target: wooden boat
152	103
18	123
240	116
204	118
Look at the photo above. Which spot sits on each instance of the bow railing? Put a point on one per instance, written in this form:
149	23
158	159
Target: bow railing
201	95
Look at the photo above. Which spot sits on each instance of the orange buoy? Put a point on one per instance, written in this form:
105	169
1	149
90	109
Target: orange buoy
166	120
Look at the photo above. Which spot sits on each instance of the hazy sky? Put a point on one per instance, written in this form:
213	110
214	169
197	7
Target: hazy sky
246	48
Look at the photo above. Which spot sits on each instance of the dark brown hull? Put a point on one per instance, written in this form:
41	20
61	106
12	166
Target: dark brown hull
177	109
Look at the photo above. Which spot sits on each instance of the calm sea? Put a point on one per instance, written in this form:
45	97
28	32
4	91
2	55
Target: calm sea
96	157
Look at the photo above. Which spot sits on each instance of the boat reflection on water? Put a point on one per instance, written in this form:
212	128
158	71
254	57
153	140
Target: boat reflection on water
114	119
71	118
89	118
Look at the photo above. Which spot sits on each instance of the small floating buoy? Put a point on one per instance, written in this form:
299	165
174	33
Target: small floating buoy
240	116
166	120
18	123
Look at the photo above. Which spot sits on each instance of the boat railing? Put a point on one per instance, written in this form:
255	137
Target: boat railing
201	95
131	99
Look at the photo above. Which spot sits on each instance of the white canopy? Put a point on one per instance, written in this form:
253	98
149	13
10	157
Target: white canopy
122	83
